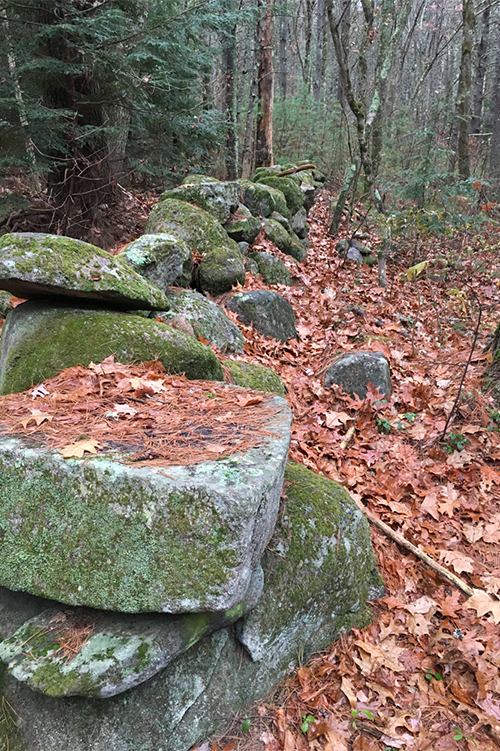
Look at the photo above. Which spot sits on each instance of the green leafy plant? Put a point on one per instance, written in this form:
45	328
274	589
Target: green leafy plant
459	735
246	724
383	425
306	721
356	712
455	442
430	674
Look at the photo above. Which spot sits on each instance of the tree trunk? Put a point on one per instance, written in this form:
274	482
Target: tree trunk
318	70
283	43
478	88
228	54
464	89
495	137
264	139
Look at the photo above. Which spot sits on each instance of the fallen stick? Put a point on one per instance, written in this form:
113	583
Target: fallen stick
348	436
416	551
293	170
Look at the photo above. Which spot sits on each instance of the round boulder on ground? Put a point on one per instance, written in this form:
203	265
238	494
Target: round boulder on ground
218	198
221	269
293	194
354	371
273	269
262	200
267	311
242	226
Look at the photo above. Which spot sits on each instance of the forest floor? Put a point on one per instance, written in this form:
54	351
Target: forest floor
425	674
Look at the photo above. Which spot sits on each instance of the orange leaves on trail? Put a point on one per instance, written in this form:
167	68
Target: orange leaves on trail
483	603
36	415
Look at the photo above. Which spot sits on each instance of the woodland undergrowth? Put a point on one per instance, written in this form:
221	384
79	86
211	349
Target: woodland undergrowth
425	674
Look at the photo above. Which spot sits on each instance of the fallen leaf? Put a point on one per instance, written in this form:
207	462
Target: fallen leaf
203	341
79	448
473	532
457	561
246	401
349	691
429	505
483	603
36	415
333	419
124	409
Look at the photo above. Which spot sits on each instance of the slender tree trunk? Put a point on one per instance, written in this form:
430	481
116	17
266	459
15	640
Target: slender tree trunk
495	137
264	139
283	57
478	88
464	89
228	54
306	72
318	70
248	155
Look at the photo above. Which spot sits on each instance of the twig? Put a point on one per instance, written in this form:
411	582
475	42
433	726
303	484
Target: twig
455	403
348	437
416	551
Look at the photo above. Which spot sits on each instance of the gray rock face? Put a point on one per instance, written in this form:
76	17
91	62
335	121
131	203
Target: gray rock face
40	340
49	265
218	198
119	651
242	226
106	534
221	269
262	200
355	255
323	589
162	259
290	189
278	235
273	269
267	311
5	305
354	371
206	317
285	223
299	223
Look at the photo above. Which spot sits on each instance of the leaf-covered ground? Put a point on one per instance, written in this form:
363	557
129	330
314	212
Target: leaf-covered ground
425	674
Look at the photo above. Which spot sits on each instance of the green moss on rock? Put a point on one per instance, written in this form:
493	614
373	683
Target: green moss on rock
49	265
221	269
39	341
217	198
163	259
262	200
196	227
255	376
293	195
273	269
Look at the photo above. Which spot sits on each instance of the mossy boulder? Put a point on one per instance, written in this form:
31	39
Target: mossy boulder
197	179
103	533
163	259
287	242
252	375
37	265
242	226
219	199
293	195
262	200
267	311
221	269
196	227
273	269
299	223
285	223
206	317
297	248
319	567
319	570
120	650
40	340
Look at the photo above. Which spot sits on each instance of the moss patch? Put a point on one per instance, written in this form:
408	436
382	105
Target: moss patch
221	269
39	341
255	376
292	192
262	200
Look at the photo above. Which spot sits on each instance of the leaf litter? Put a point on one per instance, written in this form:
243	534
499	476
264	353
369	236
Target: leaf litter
425	675
140	413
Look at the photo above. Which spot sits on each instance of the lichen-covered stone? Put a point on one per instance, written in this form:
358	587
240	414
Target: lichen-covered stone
297	248
198	694
206	317
36	265
354	371
242	226
255	376
262	200
285	223
319	566
221	269
273	269
39	340
120	650
197	179
292	192
267	311
278	235
299	223
196	227
103	533
218	198
251	267
5	305
163	259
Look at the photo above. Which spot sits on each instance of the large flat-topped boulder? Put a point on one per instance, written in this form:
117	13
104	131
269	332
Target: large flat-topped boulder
218	198
102	532
39	340
38	265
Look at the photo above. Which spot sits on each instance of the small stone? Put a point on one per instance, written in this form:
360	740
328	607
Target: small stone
267	311
355	255
354	371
